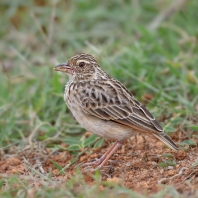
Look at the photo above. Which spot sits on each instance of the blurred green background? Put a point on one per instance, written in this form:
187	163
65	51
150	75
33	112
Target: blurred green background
150	46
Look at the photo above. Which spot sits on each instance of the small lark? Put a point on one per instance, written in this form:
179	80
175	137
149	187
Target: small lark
104	106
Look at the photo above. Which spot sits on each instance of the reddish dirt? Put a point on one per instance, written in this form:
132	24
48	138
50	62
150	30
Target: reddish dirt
135	165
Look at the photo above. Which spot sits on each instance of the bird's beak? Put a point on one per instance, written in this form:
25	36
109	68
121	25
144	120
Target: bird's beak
64	67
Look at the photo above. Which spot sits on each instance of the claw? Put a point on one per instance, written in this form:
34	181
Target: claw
99	163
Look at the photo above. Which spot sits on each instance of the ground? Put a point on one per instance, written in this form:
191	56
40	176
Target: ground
135	165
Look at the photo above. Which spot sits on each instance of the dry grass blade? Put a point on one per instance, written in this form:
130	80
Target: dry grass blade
165	14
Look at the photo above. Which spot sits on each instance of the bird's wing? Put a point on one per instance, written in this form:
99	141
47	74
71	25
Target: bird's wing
110	100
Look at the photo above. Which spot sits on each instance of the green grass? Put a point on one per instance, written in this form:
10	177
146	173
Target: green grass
76	187
35	36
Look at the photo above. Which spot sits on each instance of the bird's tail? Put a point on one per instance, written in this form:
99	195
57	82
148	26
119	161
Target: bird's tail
164	138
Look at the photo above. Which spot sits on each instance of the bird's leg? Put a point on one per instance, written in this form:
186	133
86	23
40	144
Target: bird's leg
101	159
109	153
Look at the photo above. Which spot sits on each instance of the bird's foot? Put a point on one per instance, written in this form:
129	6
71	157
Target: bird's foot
99	163
93	164
102	169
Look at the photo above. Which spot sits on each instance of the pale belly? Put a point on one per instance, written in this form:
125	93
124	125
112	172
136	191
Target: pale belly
106	129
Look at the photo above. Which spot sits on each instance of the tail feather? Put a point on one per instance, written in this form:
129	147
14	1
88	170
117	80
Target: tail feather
164	138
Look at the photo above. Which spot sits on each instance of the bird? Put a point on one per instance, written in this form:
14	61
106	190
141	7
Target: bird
105	107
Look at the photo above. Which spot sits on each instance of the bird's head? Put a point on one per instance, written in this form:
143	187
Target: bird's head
79	67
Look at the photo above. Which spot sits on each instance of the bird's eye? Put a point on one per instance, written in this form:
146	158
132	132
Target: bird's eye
81	64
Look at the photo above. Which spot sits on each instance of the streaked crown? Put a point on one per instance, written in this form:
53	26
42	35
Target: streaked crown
82	57
84	65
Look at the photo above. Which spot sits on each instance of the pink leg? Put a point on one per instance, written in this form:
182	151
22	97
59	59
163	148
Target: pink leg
100	160
117	145
104	159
